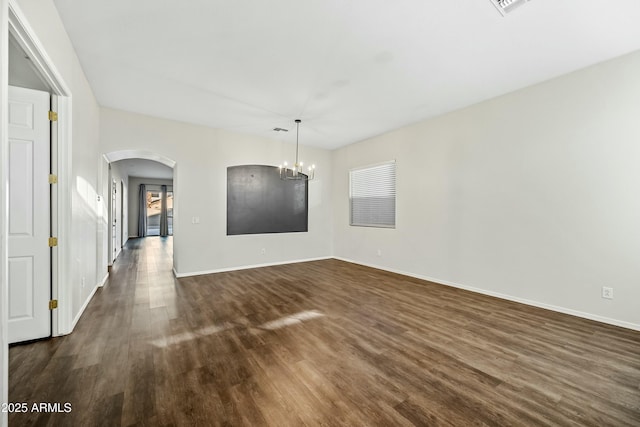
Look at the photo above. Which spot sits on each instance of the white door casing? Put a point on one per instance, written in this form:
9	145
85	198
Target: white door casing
29	262
114	227
121	214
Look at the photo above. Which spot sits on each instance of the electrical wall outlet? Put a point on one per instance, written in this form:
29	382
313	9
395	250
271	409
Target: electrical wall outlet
379	252
195	220
607	292
263	251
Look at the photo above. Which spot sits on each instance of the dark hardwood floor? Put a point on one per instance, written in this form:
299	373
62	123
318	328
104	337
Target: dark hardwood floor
320	343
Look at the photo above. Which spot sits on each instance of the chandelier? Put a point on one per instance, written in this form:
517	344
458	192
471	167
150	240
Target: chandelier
506	6
295	172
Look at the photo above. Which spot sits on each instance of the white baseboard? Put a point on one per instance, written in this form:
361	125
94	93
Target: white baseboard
104	280
564	310
84	306
245	267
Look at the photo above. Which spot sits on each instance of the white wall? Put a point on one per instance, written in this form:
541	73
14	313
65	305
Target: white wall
533	195
21	72
203	155
152	184
86	211
4	288
102	219
117	174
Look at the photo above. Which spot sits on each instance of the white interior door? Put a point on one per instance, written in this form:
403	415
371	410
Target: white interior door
29	215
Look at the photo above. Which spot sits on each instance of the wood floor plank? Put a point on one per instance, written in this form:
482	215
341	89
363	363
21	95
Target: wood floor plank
323	343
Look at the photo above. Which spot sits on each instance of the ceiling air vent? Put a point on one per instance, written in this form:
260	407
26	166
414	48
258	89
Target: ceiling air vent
506	6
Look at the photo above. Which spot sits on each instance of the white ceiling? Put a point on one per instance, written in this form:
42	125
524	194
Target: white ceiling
348	69
142	168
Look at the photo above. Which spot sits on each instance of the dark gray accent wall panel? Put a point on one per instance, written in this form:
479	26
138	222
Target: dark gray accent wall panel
258	201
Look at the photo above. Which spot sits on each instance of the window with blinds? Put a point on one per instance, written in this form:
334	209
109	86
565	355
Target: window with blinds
372	196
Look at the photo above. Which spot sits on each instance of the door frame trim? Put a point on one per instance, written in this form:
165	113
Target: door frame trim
19	28
122	201
113	211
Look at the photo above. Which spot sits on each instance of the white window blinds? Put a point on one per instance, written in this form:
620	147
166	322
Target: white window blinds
372	196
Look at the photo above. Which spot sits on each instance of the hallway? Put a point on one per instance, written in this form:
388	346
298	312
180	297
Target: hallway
108	356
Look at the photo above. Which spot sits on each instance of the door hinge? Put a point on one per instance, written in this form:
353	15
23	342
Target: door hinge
53	116
53	179
53	304
53	241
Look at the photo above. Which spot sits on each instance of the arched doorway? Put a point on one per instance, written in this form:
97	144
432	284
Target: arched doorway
132	173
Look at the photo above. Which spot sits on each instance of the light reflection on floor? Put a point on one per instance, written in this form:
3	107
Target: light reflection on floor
291	320
210	330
